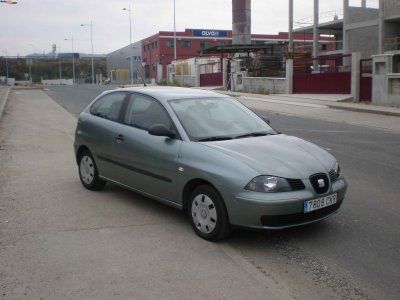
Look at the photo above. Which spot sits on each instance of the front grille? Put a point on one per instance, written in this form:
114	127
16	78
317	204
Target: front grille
333	175
320	183
294	219
296	184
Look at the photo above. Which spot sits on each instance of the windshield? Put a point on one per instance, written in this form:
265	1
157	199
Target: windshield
211	119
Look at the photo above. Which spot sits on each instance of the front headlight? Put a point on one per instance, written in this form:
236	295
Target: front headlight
268	184
338	171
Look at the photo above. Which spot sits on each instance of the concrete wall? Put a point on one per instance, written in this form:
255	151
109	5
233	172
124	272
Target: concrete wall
58	82
392	9
11	81
359	14
364	40
363	31
385	83
185	80
264	85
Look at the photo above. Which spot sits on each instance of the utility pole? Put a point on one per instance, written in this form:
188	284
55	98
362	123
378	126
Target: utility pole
91	42
73	58
290	50
130	38
174	30
316	34
381	26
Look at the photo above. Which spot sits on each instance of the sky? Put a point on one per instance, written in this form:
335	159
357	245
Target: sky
34	25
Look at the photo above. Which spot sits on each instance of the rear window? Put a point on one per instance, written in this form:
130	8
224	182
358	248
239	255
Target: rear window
108	106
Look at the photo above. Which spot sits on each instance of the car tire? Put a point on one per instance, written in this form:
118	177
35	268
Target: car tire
207	214
88	173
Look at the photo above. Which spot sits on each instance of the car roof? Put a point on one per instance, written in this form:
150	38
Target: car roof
169	93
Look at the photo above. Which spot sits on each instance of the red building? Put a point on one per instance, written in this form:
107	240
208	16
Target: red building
158	50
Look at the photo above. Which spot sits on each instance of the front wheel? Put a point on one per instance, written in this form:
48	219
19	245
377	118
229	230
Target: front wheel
88	172
207	214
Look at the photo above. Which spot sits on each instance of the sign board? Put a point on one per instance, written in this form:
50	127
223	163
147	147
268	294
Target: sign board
135	58
210	33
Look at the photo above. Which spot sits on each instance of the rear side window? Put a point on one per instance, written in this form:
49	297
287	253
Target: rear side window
143	112
108	106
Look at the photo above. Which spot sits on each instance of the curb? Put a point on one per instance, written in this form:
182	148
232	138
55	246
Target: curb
3	102
366	110
333	106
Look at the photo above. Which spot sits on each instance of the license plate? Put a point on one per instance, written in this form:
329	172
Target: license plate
319	203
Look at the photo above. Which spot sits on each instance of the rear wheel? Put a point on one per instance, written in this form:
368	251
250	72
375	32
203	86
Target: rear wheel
207	214
88	172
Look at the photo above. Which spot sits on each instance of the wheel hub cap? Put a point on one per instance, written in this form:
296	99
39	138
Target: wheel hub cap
87	169
204	213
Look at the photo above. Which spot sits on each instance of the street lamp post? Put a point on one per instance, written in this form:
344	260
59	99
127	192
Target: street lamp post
130	37
91	41
29	62
73	58
5	51
59	62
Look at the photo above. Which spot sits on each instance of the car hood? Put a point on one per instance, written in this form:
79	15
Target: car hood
278	155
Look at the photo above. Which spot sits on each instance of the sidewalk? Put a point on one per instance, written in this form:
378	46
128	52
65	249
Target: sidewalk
61	241
4	92
331	101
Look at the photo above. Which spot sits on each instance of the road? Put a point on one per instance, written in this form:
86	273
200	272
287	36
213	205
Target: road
364	239
352	255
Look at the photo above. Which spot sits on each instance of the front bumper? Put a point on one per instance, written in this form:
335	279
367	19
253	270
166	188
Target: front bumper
280	210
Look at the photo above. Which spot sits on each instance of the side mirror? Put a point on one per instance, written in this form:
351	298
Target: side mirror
161	130
266	120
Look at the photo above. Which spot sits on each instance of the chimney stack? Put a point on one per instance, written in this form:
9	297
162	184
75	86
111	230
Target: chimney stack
241	22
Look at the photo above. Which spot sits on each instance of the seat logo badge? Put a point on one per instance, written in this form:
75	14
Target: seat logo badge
181	169
321	183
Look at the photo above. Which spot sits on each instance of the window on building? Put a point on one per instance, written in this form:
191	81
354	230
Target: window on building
257	42
307	47
186	44
204	44
170	44
323	47
144	48
221	43
156	44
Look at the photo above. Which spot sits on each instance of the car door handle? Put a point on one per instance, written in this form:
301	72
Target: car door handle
120	138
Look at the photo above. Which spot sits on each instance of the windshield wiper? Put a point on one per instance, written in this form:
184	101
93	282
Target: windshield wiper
214	138
252	134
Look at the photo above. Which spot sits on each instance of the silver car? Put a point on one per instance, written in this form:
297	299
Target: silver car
208	155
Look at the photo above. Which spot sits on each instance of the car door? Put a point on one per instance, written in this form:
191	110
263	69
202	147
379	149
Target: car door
100	130
147	163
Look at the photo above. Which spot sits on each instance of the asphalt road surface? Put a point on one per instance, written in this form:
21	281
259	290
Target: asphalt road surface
356	253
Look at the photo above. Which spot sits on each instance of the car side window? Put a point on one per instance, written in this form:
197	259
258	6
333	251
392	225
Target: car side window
108	106
143	112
